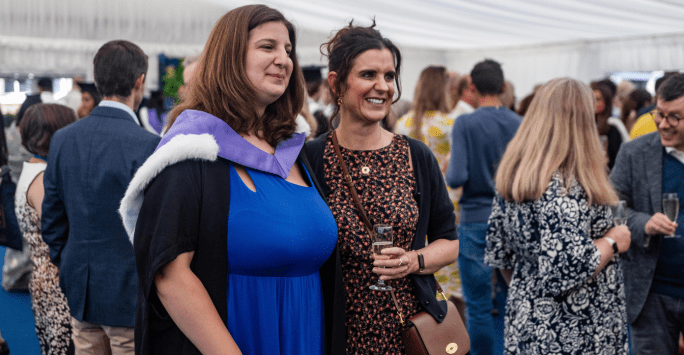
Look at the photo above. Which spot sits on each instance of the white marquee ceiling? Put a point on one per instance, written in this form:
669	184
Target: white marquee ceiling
536	40
467	24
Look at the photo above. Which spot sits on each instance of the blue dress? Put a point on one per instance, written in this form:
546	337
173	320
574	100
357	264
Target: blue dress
278	238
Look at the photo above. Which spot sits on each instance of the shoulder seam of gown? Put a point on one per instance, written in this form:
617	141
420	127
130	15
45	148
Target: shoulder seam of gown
179	148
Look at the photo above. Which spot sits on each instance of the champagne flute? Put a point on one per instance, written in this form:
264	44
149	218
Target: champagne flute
620	213
671	208
382	238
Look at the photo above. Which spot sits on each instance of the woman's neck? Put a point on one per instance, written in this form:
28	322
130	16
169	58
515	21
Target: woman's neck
258	142
361	136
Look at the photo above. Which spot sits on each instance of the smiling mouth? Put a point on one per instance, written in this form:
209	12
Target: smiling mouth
668	132
376	101
278	76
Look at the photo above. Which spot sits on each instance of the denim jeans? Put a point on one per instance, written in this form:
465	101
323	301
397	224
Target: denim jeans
485	330
656	329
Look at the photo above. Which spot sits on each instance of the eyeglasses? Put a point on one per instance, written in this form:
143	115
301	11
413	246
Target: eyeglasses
672	119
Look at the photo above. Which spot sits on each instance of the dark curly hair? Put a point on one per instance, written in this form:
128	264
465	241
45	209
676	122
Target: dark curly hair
347	44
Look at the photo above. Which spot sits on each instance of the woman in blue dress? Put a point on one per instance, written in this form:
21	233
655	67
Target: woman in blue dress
235	247
551	231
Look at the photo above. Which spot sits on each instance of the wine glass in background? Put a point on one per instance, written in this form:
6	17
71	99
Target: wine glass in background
620	213
382	238
671	208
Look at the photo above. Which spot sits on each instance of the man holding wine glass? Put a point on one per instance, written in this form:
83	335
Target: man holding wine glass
648	175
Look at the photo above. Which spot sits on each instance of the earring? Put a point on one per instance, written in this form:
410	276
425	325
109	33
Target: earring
339	101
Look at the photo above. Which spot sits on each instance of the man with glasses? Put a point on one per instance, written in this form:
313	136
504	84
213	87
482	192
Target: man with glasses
645	169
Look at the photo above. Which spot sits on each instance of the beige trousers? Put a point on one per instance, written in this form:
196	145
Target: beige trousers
95	339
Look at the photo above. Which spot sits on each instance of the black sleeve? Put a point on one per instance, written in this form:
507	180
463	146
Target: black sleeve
169	220
614	143
442	223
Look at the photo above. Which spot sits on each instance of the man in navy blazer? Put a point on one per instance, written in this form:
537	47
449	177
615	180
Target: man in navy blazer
645	169
90	164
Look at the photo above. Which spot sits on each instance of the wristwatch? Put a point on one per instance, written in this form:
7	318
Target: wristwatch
613	244
421	262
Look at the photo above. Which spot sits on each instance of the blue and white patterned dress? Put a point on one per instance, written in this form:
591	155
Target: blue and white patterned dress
554	306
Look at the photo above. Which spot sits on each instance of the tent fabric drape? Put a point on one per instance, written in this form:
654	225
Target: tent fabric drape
527	66
468	24
536	40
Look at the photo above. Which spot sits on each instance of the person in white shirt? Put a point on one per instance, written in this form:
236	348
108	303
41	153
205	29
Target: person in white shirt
467	102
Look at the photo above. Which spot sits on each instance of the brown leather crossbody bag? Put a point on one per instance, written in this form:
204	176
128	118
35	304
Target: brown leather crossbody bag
422	334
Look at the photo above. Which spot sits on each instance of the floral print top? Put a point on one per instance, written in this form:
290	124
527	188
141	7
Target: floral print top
386	194
554	306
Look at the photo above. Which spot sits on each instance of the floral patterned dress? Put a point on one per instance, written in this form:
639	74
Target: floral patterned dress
387	196
554	306
436	132
50	309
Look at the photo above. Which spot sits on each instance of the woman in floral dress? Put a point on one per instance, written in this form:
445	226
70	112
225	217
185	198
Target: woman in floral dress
50	309
551	232
398	182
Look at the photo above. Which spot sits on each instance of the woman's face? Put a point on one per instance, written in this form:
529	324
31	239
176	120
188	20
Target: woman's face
369	88
600	102
268	63
87	105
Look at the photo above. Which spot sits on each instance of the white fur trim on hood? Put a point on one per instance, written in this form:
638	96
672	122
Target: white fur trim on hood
179	148
302	126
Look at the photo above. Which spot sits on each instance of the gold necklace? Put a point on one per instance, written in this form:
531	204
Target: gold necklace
365	166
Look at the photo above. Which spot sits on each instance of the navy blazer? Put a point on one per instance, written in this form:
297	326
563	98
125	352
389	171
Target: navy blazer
90	165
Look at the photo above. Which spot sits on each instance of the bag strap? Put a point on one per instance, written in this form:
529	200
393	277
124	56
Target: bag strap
399	310
350	184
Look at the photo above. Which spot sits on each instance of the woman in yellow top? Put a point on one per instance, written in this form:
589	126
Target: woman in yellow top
429	123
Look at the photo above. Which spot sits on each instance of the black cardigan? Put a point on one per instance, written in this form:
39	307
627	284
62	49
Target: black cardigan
436	216
155	331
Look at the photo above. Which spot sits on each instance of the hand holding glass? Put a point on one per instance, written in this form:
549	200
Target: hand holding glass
382	238
671	208
620	213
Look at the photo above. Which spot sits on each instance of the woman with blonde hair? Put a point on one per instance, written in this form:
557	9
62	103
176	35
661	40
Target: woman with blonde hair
551	231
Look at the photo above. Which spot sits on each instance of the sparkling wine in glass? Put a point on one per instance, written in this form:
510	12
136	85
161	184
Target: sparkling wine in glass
382	238
620	213
671	208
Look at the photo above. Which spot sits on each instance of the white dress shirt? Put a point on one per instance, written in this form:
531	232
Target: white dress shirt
120	106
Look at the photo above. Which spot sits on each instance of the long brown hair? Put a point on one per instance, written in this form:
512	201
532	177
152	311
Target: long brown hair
558	134
221	86
602	117
430	95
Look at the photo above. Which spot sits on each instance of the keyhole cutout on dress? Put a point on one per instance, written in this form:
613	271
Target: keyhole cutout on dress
246	179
